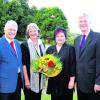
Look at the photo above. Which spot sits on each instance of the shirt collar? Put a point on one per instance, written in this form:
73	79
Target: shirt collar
9	41
86	34
39	41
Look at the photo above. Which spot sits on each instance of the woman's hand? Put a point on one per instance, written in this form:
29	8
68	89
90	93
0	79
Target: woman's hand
27	84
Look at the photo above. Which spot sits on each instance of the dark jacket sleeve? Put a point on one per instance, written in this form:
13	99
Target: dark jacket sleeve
97	80
72	61
25	54
26	57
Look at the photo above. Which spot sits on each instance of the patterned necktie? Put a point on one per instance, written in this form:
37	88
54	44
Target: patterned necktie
82	41
12	45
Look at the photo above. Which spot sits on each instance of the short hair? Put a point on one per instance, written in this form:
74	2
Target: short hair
58	30
11	23
34	26
84	15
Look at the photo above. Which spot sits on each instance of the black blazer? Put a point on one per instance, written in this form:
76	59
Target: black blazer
88	62
58	85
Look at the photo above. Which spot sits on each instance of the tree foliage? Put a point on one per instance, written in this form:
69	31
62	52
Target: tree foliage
48	19
17	10
71	37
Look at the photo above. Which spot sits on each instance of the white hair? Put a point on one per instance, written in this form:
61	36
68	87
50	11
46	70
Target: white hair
11	23
34	26
85	15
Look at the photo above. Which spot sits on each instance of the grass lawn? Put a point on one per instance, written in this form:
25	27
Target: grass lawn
47	97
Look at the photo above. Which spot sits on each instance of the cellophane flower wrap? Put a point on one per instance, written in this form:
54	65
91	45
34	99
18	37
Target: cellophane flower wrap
49	65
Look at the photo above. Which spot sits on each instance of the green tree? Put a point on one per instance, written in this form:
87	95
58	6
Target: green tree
8	11
17	10
48	19
28	17
71	37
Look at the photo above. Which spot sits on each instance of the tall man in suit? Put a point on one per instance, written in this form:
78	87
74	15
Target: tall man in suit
87	48
10	64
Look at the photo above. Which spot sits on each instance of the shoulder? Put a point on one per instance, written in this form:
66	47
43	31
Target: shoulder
17	42
95	35
50	49
2	39
72	49
68	46
24	45
1	44
77	39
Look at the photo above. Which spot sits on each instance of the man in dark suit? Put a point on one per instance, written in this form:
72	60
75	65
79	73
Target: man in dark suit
10	64
87	48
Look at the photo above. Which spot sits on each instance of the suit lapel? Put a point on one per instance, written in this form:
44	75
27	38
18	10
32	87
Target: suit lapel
78	46
88	40
17	49
54	50
8	45
62	49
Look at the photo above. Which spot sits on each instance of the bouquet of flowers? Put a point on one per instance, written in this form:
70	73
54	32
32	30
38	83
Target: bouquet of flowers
49	65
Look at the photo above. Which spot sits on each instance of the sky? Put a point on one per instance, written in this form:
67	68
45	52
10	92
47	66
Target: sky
72	9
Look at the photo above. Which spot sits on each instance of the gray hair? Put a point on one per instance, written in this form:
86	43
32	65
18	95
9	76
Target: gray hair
85	15
11	23
32	25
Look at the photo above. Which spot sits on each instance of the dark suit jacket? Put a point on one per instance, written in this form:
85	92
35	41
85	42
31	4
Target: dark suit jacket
58	85
88	62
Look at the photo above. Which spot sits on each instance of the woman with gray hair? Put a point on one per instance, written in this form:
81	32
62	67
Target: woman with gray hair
32	49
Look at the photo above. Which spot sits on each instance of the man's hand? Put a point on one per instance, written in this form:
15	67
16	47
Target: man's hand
96	88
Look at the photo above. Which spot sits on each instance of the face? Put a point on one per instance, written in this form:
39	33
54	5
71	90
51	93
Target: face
10	32
60	38
84	24
33	34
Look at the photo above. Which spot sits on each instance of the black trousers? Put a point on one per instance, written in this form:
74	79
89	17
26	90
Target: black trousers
87	96
16	95
30	95
67	96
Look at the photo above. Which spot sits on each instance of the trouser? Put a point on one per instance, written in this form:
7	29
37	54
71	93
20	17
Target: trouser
16	95
87	96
